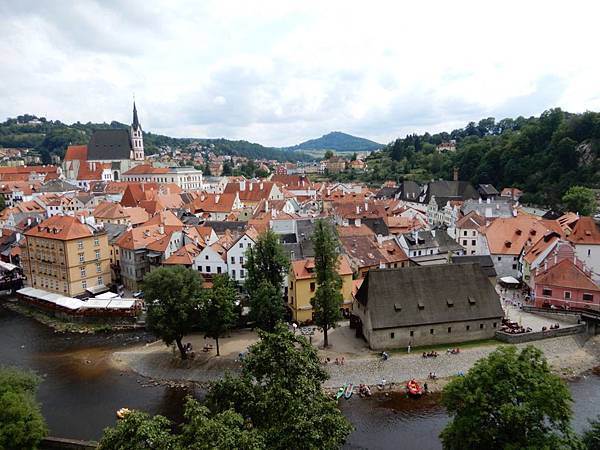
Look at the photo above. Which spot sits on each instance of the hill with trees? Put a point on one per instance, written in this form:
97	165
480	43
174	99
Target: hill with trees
340	142
543	156
51	137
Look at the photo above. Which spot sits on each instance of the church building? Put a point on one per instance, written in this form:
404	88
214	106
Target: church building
109	153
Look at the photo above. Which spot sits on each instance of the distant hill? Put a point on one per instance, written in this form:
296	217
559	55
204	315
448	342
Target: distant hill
49	137
338	141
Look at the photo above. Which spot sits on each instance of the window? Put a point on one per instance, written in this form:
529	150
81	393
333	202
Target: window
80	245
392	335
312	287
232	259
81	257
233	273
464	242
494	324
431	331
514	266
567	295
84	284
589	252
206	257
473	242
465	233
96	242
98	267
412	333
481	326
547	292
588	297
207	269
291	285
468	327
82	271
449	329
241	260
474	233
242	274
499	258
241	245
219	269
100	281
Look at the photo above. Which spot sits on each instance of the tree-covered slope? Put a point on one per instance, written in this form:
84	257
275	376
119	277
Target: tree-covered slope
339	141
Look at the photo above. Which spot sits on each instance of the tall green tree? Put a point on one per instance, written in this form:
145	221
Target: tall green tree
280	392
173	300
327	301
217	311
267	264
328	154
508	401
140	431
580	199
22	425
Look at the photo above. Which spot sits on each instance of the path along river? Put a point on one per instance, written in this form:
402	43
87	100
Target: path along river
81	390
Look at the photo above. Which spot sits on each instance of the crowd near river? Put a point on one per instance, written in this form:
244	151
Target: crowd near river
82	390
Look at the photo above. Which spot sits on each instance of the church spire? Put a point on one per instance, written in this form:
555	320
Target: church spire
136	122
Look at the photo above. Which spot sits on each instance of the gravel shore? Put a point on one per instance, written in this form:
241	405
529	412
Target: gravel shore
568	356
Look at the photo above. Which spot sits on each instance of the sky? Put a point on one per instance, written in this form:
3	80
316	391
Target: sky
280	72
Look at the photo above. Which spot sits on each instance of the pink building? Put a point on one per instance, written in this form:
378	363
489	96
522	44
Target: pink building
566	284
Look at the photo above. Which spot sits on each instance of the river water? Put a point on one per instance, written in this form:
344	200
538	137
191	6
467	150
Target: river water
81	391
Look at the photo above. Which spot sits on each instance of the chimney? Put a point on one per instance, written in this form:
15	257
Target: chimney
292	255
357	209
261	186
456	174
250	186
488	201
161	229
266	205
243	185
217	198
366	206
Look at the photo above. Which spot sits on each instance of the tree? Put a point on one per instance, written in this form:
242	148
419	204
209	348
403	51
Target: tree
328	154
354	156
218	308
580	199
509	400
225	431
173	298
140	431
280	392
22	425
266	306
591	437
327	301
267	265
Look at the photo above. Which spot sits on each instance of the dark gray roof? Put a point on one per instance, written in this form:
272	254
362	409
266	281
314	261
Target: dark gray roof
485	262
220	227
107	145
412	296
387	192
136	122
289	238
449	190
410	190
58	185
420	240
446	243
114	231
487	190
377	225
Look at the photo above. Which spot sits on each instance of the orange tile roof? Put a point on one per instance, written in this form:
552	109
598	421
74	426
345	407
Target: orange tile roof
109	211
136	215
166	218
471	221
61	228
140	238
146	169
585	232
508	235
92	171
184	256
568	275
352	230
540	246
213	203
301	268
76	152
252	191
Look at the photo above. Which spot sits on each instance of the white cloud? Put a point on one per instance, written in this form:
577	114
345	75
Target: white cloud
279	72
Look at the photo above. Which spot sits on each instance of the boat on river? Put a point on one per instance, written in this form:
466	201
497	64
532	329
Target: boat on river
414	389
340	392
349	390
121	413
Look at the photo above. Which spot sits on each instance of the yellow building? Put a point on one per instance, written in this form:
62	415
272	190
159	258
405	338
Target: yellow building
303	285
65	256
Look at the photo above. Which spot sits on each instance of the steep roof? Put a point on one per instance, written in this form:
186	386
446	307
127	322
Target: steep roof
184	256
76	152
414	296
304	268
586	231
566	275
111	144
472	221
250	191
508	235
444	191
61	228
485	262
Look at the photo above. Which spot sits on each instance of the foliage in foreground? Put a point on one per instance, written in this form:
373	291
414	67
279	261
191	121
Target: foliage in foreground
277	403
21	423
509	400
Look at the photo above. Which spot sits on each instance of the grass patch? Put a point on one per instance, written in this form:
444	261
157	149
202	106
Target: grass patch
443	347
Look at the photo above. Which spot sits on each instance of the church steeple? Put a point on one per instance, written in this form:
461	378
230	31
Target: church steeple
136	122
137	137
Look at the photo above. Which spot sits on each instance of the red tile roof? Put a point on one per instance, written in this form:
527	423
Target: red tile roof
61	228
76	152
567	275
585	232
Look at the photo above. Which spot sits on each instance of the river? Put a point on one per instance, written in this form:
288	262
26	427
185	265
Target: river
81	391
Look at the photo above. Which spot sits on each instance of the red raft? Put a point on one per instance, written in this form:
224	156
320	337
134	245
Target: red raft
414	388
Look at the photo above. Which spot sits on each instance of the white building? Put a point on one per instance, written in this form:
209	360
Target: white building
236	256
187	178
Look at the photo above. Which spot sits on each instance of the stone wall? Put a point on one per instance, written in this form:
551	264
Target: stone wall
538	335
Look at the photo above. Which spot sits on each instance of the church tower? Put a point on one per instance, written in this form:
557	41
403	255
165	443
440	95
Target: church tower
137	140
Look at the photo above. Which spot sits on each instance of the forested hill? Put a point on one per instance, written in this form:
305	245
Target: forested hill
50	137
543	156
338	141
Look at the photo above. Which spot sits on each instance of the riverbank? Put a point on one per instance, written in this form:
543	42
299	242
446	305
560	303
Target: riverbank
569	356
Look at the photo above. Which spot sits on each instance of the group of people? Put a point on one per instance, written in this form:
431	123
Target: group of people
364	390
453	351
555	326
432	376
431	354
338	361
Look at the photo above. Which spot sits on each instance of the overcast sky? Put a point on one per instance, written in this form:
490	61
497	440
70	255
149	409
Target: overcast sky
279	72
